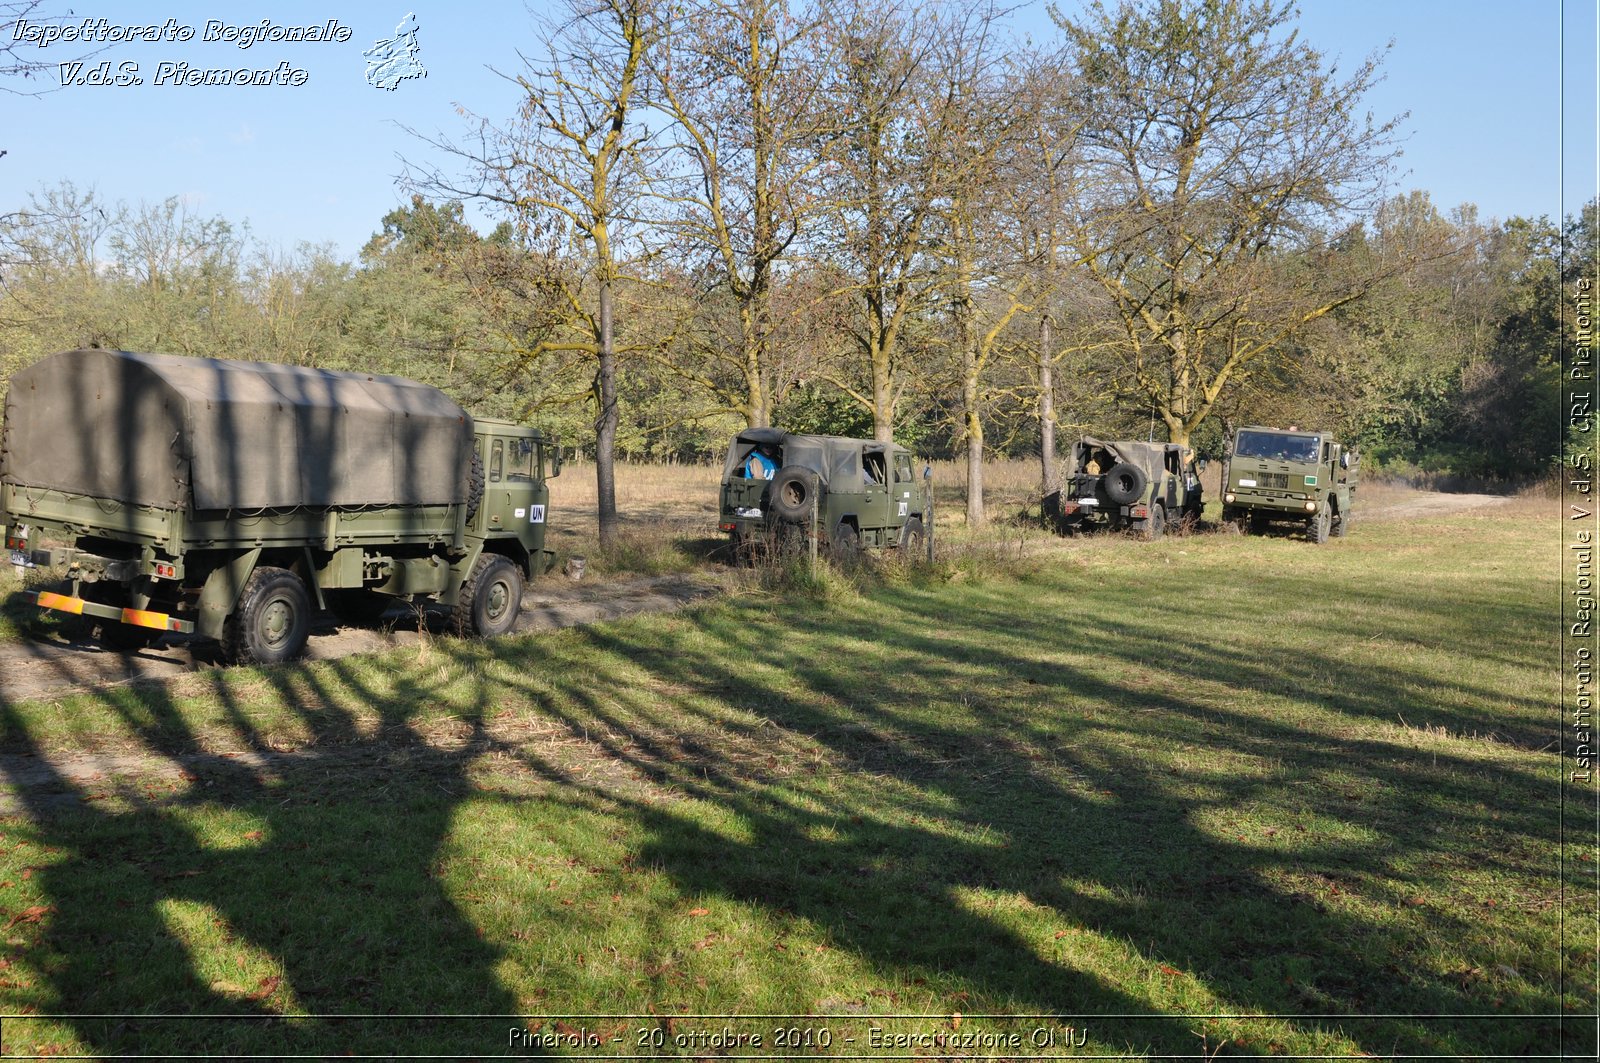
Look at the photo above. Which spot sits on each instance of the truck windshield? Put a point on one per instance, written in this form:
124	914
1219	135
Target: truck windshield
1277	447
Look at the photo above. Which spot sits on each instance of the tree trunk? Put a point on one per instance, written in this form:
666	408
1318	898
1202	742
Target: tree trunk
973	421
1047	410
605	426
882	398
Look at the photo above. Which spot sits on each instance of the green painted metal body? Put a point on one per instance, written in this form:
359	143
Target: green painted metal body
189	565
866	486
1307	478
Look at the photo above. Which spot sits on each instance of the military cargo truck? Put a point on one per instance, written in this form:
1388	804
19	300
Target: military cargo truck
1306	478
230	499
1127	485
864	493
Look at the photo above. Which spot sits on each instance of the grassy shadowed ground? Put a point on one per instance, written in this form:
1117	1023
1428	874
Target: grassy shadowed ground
1214	776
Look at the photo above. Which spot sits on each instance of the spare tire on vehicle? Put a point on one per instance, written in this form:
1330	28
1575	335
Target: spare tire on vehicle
792	492
474	485
1125	483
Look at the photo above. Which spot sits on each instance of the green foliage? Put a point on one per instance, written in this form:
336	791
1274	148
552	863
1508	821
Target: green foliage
1454	368
822	410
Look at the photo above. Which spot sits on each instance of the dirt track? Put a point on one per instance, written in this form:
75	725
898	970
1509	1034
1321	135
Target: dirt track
1428	504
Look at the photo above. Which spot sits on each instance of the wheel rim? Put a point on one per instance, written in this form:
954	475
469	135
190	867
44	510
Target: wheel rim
497	601
277	622
793	493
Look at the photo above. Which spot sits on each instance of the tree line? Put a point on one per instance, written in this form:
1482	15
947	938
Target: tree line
1166	219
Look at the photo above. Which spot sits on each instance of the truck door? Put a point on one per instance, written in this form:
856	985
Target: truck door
905	504
514	493
876	508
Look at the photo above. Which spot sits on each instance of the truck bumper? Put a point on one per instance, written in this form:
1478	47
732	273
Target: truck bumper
1274	507
65	603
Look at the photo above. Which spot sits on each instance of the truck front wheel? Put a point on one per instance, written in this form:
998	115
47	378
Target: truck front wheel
1341	524
272	621
490	599
1320	524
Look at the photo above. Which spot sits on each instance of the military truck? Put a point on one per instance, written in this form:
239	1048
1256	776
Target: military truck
230	499
1306	478
864	493
1144	487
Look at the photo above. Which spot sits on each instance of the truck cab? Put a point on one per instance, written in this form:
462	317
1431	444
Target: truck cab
1274	475
515	498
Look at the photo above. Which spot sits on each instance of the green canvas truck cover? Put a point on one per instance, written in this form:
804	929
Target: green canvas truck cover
829	457
156	429
1151	457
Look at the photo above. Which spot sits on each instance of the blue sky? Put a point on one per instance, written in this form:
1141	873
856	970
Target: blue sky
1490	119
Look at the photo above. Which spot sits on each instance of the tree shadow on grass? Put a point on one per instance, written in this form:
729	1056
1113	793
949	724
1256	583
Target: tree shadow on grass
311	880
1016	824
981	812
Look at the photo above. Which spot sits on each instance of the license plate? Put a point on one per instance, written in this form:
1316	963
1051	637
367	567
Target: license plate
21	559
1088	501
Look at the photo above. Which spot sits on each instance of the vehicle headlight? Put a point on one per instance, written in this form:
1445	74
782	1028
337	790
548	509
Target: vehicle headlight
1228	497
1311	507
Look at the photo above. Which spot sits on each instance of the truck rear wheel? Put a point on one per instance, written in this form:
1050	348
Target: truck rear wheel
489	600
1341	524
273	619
112	634
845	543
1155	525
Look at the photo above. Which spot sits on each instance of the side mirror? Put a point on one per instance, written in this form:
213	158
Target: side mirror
1200	466
555	456
1344	459
927	473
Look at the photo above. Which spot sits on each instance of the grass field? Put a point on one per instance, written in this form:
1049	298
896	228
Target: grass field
1211	796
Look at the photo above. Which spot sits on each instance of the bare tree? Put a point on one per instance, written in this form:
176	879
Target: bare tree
568	170
1214	146
981	242
739	84
883	191
21	70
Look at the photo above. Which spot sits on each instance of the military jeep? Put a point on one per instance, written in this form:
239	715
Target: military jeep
1143	487
861	493
1289	476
